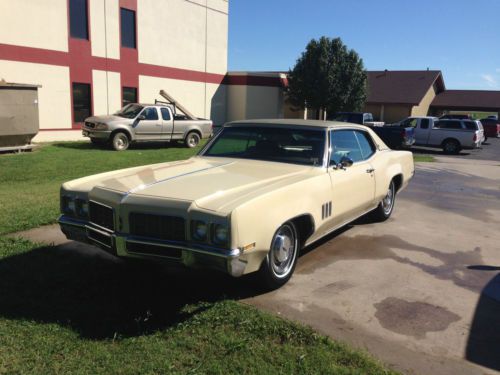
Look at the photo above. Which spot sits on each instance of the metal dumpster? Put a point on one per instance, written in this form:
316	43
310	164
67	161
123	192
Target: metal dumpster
18	114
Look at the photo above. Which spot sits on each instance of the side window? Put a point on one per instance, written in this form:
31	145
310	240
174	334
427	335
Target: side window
165	114
366	144
150	113
454	124
424	123
344	143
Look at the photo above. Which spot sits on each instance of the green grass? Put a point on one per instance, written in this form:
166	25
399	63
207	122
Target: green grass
71	312
423	158
30	182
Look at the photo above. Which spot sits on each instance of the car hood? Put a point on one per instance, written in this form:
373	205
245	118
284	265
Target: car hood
105	119
217	184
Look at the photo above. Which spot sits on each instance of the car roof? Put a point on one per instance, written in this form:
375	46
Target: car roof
295	122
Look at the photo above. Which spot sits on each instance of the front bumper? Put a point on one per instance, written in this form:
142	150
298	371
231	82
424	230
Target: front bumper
97	134
124	245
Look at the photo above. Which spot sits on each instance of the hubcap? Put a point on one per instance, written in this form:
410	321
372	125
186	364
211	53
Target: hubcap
192	141
388	201
283	251
120	142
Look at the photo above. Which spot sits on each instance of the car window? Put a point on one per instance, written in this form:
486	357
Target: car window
471	125
150	113
287	145
130	111
344	143
165	114
365	143
450	124
368	117
424	123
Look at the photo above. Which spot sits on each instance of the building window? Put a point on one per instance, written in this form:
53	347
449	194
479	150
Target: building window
81	101
78	19
129	95
127	17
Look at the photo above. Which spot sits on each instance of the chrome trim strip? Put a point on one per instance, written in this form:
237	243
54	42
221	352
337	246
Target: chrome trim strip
89	230
223	253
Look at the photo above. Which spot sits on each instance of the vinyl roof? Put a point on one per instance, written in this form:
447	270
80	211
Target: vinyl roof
403	86
295	122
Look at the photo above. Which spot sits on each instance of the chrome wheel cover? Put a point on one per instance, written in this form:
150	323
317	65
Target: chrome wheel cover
193	140
121	141
388	201
283	251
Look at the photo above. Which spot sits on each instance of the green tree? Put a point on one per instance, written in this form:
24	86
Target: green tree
329	77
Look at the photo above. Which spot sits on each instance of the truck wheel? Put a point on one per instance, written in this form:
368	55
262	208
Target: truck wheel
192	139
386	205
120	141
281	259
451	147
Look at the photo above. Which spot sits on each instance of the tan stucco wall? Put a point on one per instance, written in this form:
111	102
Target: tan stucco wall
107	92
423	108
254	102
394	113
375	110
54	102
105	28
35	23
183	34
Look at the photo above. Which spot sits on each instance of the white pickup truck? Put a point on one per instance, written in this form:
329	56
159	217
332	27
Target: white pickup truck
450	135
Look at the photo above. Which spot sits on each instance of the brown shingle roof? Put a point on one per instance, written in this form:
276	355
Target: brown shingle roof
401	87
468	100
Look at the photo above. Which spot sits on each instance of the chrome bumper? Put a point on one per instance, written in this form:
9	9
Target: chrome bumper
124	245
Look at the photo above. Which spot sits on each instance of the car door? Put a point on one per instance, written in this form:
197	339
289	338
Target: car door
353	188
421	130
148	124
167	124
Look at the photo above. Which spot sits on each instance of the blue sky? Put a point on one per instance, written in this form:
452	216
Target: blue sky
461	37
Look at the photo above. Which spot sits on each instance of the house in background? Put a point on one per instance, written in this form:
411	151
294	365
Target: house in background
394	95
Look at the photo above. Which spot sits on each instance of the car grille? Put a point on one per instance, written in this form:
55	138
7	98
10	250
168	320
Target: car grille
90	125
169	228
101	215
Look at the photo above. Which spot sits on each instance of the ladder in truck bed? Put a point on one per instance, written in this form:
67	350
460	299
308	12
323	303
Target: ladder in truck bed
170	100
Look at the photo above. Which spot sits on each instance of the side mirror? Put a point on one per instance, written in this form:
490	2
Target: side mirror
141	117
345	162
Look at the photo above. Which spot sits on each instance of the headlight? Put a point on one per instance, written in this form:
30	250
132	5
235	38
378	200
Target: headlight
68	205
101	126
199	230
82	208
220	234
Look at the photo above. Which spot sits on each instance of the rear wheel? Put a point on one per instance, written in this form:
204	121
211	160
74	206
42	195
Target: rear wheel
386	206
192	139
120	141
451	146
281	259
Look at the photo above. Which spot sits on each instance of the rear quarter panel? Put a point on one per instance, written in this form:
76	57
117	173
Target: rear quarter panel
389	164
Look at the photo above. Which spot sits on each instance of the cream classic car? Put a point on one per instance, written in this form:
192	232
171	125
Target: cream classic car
255	195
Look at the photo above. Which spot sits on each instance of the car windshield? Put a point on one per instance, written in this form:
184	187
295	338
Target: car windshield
130	111
286	145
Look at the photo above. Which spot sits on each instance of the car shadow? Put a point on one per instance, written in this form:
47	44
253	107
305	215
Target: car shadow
483	344
101	297
429	151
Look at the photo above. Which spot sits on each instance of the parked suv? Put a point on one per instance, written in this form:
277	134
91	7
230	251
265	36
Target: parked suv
491	127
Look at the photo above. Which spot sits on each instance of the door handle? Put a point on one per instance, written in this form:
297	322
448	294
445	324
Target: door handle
370	170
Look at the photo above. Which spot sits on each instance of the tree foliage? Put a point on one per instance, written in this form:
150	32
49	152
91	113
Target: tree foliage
328	76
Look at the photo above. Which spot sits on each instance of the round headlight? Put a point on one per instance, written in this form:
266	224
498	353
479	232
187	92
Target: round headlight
221	234
200	230
68	205
82	208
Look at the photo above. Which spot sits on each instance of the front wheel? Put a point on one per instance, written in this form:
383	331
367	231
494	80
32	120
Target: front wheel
386	206
192	140
120	141
281	259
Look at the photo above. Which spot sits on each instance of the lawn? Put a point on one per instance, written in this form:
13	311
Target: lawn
82	312
423	158
67	312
